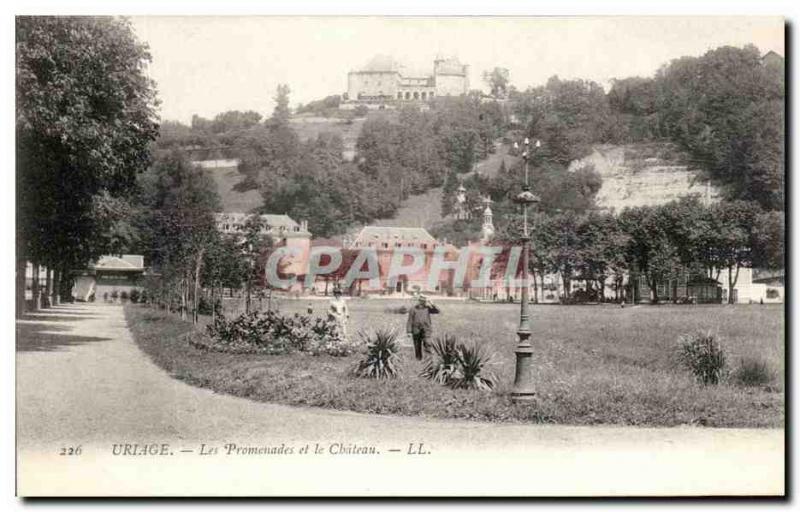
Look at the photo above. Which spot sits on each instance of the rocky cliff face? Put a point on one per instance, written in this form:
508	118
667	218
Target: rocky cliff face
645	175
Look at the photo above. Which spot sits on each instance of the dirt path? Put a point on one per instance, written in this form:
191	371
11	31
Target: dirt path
82	381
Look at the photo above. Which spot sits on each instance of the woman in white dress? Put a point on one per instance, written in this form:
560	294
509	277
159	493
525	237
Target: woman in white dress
339	313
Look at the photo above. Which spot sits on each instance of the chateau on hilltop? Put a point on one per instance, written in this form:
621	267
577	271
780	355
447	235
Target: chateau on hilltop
383	83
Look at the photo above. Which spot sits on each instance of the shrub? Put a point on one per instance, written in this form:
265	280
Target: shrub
471	372
204	306
135	295
443	361
114	295
703	355
459	365
753	371
381	360
123	295
361	111
105	296
272	333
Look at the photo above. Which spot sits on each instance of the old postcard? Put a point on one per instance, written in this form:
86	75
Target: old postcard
400	256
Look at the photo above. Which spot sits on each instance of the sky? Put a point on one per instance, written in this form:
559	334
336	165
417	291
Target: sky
207	65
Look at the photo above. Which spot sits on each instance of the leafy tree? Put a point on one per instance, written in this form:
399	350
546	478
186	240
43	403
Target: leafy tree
178	201
497	80
735	223
650	251
281	114
85	117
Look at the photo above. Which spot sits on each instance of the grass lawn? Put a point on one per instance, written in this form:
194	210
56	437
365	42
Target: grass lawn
592	365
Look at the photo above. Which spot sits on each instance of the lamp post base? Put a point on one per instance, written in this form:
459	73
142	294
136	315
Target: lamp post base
523	390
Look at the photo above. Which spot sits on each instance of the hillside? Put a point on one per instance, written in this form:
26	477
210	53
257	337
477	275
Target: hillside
423	210
232	201
309	127
645	174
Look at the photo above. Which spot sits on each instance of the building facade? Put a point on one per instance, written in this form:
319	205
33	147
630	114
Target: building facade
383	83
110	278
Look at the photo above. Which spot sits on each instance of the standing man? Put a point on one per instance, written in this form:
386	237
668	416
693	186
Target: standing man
338	312
419	324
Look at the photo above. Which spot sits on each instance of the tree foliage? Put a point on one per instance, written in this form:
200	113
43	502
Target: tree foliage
85	117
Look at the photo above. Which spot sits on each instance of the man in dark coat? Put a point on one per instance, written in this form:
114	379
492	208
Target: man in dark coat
419	324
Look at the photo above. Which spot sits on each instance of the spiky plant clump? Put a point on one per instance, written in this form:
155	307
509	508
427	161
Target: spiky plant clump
471	370
381	360
443	361
704	356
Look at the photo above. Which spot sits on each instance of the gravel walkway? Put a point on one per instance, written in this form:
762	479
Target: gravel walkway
82	381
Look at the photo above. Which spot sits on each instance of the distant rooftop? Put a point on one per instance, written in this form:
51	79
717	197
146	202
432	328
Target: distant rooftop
131	262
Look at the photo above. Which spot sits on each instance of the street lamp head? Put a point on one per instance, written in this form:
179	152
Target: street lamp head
538	143
516	146
527	141
526	197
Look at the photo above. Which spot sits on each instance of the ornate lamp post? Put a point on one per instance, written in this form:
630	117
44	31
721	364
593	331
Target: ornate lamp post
523	379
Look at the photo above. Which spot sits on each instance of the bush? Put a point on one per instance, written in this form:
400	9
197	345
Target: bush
105	296
270	332
703	355
204	306
443	361
114	295
753	371
471	372
135	295
123	295
381	360
459	365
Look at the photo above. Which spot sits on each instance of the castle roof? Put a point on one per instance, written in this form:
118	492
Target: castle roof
382	63
450	66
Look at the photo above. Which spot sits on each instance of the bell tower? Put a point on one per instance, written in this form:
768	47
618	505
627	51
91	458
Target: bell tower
487	230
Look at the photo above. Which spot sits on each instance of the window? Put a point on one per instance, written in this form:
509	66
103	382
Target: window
424	246
385	245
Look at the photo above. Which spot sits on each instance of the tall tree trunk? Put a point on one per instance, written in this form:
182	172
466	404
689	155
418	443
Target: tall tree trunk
20	284
54	298
535	287
35	288
566	279
541	281
653	290
732	283
198	266
184	290
65	285
48	287
213	304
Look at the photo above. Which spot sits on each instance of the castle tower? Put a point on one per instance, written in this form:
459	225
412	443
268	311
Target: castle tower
487	230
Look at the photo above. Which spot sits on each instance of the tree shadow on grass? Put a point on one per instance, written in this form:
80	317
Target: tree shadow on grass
38	337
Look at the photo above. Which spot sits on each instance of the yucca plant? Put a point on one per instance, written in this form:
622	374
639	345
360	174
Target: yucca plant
442	363
704	356
471	370
381	360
